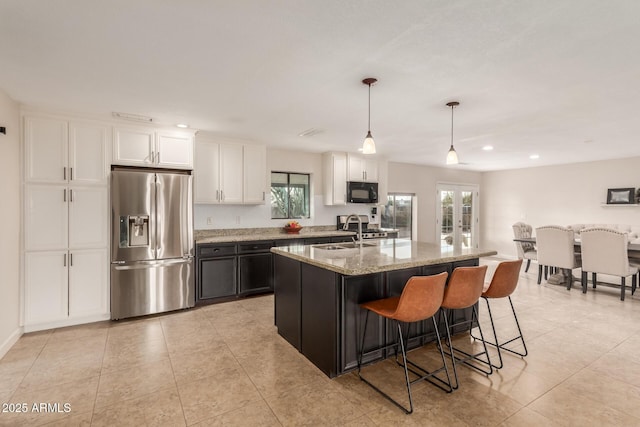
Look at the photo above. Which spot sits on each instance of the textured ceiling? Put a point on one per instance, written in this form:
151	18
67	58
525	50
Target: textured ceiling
555	78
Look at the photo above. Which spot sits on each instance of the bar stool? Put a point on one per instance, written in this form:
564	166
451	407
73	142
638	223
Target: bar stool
420	300
463	291
503	283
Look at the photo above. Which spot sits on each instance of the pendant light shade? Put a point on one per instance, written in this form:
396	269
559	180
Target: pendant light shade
452	156
369	145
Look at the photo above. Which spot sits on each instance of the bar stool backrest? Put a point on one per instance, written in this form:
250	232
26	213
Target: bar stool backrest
505	279
465	287
421	298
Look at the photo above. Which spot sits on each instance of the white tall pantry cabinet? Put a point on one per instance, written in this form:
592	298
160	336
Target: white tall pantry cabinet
65	221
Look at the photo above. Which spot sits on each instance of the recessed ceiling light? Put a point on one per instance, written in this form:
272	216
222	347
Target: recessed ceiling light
534	156
487	147
182	125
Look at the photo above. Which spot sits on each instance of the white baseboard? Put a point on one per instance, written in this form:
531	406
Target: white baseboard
66	322
10	341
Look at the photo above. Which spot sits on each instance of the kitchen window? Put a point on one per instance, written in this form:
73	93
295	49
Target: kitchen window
290	195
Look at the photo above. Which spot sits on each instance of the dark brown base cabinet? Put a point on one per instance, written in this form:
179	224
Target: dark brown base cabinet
233	270
317	311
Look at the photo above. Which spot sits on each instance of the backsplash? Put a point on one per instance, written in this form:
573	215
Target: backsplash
259	216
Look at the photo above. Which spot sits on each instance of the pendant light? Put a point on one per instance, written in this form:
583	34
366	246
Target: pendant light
452	156
369	145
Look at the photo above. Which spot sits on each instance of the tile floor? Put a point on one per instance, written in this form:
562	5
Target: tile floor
225	364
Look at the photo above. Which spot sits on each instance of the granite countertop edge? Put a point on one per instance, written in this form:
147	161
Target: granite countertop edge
382	268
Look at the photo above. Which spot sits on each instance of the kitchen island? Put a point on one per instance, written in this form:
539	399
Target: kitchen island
318	289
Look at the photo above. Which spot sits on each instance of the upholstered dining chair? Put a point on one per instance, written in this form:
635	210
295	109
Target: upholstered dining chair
525	250
555	249
605	251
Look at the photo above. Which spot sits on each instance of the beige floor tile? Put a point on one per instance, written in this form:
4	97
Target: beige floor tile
617	368
526	417
78	396
613	393
134	382
143	329
279	374
212	396
569	408
120	356
308	404
193	341
252	414
161	408
476	405
75	420
62	368
189	367
12	372
363	421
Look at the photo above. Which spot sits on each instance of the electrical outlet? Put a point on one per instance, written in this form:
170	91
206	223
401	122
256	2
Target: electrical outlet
209	220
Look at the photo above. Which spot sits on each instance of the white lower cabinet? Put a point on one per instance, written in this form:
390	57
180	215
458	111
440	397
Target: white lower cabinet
88	282
46	287
61	286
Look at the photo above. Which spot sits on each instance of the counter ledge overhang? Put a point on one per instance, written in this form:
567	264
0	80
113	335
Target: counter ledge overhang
386	255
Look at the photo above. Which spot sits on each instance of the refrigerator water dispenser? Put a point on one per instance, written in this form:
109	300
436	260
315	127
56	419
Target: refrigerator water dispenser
134	231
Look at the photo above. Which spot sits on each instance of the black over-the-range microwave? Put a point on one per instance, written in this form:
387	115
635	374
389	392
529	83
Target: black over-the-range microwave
362	192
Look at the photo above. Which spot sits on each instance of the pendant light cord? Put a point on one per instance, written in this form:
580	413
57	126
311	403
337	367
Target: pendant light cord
452	107
369	122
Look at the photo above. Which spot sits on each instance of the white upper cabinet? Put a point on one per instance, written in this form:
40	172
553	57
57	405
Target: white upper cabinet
206	173
58	151
334	167
362	168
175	150
229	173
88	153
140	146
255	174
134	146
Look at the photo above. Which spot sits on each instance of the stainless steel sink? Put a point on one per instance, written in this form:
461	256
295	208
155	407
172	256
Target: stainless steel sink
342	246
351	245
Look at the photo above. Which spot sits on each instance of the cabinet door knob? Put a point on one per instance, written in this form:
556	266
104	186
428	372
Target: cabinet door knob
64	173
64	262
64	195
158	157
70	174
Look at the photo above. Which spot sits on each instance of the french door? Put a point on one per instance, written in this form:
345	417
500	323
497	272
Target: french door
457	215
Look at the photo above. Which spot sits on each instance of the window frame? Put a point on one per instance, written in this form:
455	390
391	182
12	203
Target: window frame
306	189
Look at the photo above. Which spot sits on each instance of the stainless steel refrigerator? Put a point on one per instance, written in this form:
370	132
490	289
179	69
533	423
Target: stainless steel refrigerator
152	248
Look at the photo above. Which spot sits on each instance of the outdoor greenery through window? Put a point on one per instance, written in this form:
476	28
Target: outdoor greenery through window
289	195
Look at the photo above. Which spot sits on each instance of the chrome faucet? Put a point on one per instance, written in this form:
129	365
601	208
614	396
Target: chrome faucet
346	226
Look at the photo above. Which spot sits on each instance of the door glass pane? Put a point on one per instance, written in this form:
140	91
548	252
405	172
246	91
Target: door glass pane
447	199
467	217
397	213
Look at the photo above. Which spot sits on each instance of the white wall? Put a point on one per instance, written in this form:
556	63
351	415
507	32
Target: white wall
562	195
253	216
10	219
422	180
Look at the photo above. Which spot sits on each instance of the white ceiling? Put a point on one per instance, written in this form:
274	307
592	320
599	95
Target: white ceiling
556	78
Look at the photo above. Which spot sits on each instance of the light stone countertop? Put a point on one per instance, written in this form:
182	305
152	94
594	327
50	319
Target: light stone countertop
254	234
383	255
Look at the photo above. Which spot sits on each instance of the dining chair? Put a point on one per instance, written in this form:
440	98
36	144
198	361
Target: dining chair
605	251
555	249
525	250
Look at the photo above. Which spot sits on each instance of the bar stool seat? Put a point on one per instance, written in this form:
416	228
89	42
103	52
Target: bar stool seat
420	300
463	291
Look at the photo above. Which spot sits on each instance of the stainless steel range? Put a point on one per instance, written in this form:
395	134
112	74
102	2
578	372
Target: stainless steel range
352	225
